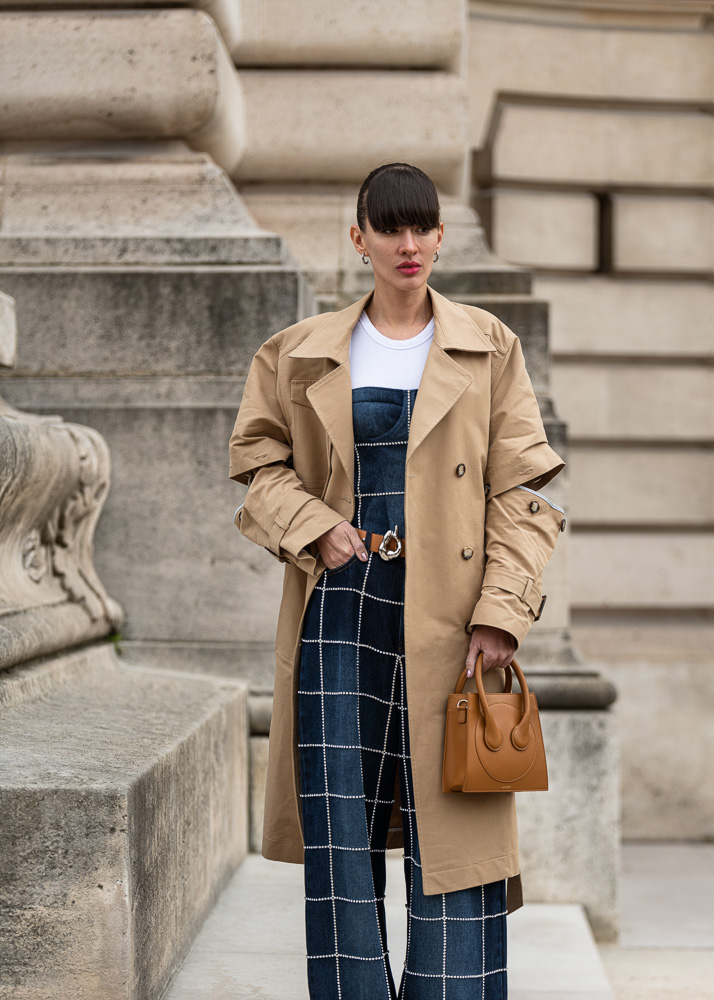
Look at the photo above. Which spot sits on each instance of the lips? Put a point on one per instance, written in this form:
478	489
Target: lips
409	267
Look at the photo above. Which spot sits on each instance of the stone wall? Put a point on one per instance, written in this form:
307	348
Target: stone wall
594	166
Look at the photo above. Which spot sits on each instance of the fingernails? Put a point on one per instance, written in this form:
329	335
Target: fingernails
363	556
469	673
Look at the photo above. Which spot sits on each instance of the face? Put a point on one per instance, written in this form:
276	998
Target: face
402	258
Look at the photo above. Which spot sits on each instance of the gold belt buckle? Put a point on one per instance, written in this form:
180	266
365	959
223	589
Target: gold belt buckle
386	553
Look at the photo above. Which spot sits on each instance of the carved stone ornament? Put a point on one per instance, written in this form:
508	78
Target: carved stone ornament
54	478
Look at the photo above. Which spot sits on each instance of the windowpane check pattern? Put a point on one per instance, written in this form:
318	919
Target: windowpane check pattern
354	746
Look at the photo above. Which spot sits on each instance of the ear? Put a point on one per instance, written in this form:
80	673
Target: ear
356	237
441	236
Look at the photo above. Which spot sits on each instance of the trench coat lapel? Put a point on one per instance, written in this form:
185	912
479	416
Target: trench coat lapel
331	396
442	382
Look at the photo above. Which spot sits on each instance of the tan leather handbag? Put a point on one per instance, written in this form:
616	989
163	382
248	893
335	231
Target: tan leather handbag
493	742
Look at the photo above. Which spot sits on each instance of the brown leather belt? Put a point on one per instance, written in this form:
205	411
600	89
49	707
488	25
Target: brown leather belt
376	540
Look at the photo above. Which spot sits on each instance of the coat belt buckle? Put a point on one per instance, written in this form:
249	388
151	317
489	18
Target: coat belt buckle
386	553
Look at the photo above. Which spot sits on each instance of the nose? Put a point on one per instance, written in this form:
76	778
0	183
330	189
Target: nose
409	243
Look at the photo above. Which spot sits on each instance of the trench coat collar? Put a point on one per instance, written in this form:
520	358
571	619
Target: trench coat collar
443	381
453	330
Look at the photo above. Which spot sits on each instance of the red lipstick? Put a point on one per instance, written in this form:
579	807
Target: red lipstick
409	267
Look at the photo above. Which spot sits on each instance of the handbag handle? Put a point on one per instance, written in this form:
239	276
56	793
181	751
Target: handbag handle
520	737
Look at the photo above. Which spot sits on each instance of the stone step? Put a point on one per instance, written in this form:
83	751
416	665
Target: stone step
123	795
252	946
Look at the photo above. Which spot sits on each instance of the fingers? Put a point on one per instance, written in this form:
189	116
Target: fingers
357	543
474	650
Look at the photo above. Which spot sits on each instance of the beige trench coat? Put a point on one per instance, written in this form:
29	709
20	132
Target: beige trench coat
293	444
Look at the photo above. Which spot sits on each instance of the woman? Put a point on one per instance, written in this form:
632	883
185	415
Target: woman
390	449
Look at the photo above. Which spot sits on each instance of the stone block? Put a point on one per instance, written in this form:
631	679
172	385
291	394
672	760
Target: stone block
124	801
591	316
120	75
654	233
249	661
8	331
569	836
581	59
338	124
160	190
585	145
173	320
630	486
375	33
664	673
258	777
543	229
657	570
601	402
226	13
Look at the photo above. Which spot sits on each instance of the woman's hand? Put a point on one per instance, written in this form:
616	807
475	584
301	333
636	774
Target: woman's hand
339	544
497	645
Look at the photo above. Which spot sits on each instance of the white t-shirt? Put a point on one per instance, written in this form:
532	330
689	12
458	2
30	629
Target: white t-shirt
379	360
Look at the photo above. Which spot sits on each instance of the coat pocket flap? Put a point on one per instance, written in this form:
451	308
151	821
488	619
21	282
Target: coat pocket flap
298	390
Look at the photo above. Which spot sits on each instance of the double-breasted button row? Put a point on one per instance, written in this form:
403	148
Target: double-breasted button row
460	469
467	552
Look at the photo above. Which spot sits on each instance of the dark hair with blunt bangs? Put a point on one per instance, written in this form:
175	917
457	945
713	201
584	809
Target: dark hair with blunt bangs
397	194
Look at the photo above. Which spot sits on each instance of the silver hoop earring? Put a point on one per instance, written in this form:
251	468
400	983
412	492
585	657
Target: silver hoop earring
365	258
436	256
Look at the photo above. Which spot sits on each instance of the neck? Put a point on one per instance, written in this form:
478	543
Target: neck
399	314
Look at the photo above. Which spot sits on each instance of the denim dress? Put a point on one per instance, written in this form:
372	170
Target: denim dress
354	743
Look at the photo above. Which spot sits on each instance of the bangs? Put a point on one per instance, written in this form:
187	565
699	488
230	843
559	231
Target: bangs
401	195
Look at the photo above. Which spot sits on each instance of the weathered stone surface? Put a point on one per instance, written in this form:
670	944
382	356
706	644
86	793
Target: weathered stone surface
146	203
124	802
258	775
664	671
167	546
664	234
375	33
337	125
603	402
657	570
250	661
226	13
120	75
570	835
154	320
8	331
586	58
608	480
601	315
543	229
586	145
54	478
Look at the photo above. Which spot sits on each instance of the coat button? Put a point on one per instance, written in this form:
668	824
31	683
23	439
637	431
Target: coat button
467	627
562	525
535	506
467	552
487	488
460	469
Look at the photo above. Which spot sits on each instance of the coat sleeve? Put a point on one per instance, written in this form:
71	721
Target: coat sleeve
521	525
277	513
